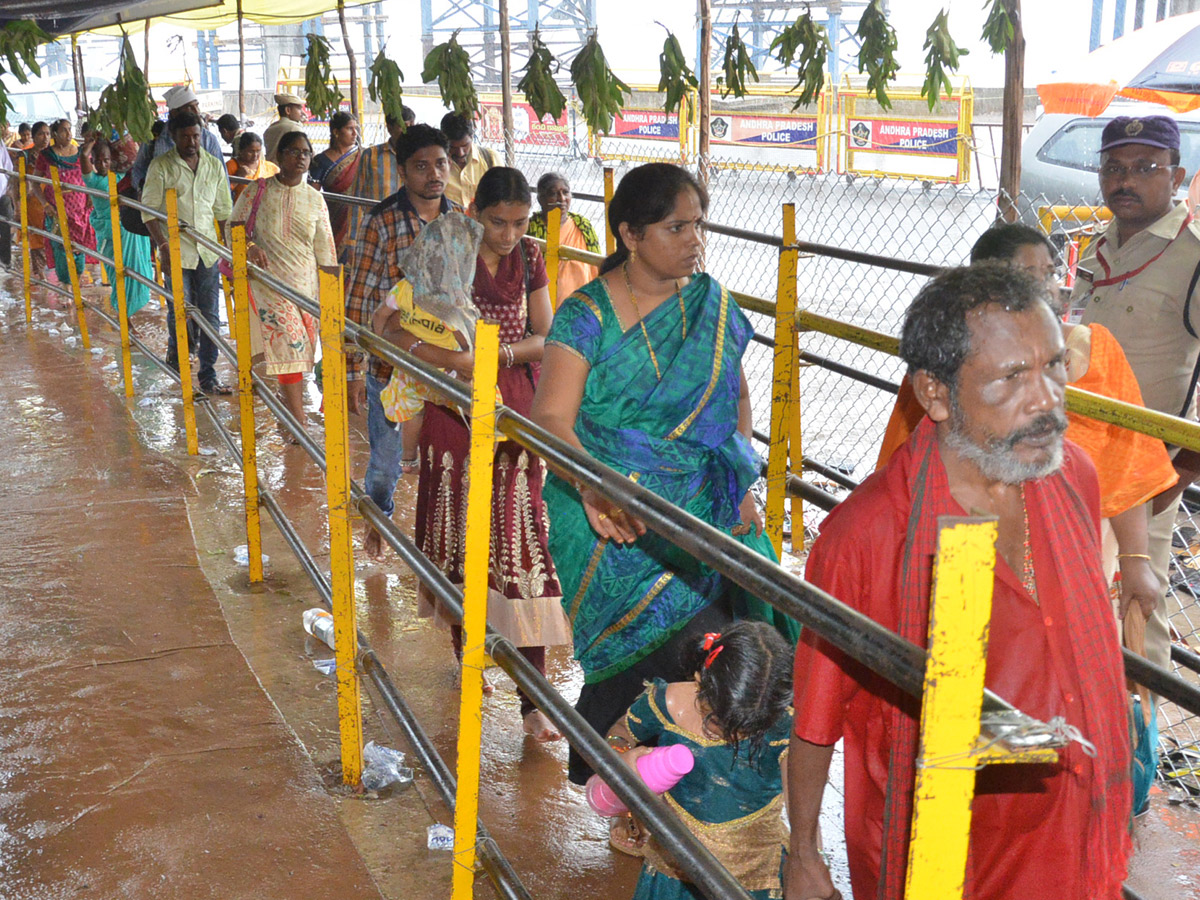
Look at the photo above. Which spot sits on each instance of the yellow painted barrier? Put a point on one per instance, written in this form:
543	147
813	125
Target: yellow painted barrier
27	251
180	316
475	593
795	439
782	381
610	242
337	490
68	251
553	240
961	608
114	213
240	326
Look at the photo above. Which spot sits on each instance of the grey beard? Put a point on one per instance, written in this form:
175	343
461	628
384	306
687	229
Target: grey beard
998	462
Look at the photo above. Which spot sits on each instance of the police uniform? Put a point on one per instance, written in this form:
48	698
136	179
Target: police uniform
280	127
1139	290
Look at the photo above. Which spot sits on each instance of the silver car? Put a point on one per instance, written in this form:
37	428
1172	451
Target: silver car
1061	156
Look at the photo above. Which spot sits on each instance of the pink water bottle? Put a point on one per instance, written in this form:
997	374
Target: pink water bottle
661	769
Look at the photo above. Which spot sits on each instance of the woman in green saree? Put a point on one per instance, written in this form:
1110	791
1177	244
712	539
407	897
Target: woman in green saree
642	369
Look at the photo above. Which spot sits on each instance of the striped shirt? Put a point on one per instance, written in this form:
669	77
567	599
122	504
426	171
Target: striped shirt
378	177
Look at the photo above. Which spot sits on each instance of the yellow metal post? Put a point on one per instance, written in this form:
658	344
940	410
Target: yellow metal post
782	382
553	240
796	444
960	611
475	593
610	242
240	325
68	251
337	489
181	339
27	251
114	212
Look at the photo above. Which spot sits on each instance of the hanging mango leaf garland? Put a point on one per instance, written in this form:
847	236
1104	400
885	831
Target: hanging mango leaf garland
999	29
385	87
942	55
806	44
449	65
677	79
322	95
538	85
877	54
600	91
19	40
736	67
125	106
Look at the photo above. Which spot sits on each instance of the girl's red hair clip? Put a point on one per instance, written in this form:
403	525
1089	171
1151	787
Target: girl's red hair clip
710	639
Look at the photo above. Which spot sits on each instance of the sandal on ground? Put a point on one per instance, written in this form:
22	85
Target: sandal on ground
488	687
626	836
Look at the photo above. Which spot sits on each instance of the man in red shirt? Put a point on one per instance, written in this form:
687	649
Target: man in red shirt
986	359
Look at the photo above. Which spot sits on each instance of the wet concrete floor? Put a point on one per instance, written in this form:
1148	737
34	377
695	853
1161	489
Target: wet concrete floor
171	737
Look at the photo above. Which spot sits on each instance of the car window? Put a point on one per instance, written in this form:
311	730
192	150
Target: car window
1077	145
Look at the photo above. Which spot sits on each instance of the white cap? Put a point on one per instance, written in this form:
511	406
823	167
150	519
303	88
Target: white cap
179	95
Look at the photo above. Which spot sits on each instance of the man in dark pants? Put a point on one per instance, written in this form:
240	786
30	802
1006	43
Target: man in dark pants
203	196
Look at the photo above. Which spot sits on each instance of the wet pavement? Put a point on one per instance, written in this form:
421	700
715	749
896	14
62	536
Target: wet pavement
168	734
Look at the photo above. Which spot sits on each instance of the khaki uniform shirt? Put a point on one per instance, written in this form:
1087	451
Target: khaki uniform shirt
274	132
1145	309
461	185
202	196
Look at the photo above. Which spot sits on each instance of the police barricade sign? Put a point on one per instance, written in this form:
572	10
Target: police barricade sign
927	148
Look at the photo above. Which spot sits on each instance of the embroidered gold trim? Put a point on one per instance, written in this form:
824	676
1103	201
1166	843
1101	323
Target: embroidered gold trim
718	354
590	304
654	591
588	574
669	725
570	350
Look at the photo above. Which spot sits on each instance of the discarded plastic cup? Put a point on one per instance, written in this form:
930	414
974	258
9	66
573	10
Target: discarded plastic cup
241	553
319	623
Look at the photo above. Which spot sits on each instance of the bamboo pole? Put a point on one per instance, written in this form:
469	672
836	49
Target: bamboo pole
114	212
77	74
146	51
1014	108
510	152
353	62
705	79
241	65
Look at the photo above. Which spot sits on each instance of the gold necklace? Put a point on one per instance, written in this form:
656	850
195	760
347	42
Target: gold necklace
1028	579
637	310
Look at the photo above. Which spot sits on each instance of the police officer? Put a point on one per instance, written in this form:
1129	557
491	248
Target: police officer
1137	279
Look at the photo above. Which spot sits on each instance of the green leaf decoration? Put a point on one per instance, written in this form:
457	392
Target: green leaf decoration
999	29
736	67
538	85
877	53
601	93
806	44
125	106
941	58
386	86
19	40
677	79
322	95
450	66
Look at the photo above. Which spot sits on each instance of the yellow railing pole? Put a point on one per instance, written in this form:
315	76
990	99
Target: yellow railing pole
553	239
782	381
114	212
181	339
960	610
795	443
610	242
240	326
337	489
475	593
27	250
68	251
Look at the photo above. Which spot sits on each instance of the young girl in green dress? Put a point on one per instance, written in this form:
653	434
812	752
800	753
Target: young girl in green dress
735	717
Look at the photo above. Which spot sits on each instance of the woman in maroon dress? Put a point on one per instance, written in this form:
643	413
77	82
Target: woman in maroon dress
524	598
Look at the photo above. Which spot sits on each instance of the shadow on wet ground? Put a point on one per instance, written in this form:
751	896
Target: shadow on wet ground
168	733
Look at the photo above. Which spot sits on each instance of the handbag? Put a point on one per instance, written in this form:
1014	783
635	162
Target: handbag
225	265
131	219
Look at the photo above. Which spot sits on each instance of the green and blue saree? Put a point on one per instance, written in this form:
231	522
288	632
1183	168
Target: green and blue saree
676	436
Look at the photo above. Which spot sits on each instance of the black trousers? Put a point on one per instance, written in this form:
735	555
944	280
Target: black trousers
604	702
6	211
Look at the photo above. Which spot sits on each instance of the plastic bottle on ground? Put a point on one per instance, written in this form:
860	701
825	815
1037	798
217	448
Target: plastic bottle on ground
319	623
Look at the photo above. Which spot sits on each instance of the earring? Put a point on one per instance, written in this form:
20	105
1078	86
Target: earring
633	255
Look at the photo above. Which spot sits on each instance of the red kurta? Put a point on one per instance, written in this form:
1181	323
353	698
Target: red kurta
1029	836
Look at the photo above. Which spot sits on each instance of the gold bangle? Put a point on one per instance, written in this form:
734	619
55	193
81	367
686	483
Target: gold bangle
1145	556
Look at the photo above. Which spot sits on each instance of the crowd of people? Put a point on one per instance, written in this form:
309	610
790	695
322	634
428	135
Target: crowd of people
640	367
